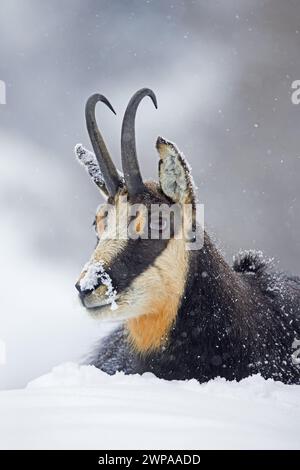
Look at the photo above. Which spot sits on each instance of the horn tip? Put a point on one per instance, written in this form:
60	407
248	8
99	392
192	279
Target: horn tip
93	100
153	97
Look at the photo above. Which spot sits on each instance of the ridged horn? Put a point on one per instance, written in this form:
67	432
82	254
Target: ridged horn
108	169
130	164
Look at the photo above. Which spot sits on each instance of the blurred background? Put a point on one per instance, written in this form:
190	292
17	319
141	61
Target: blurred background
222	72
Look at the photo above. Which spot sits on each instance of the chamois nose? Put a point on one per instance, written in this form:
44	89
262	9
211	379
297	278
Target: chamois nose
77	285
82	292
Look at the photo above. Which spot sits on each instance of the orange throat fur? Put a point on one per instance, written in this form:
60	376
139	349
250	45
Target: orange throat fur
150	332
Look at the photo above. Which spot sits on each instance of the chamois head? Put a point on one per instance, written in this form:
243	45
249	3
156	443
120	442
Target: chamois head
139	266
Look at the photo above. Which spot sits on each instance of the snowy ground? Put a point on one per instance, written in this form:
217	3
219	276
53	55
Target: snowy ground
81	407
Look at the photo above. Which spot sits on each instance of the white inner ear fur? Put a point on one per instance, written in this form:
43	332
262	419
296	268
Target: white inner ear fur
174	174
173	178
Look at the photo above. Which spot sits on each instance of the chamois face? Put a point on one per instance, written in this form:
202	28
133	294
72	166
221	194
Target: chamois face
139	267
140	263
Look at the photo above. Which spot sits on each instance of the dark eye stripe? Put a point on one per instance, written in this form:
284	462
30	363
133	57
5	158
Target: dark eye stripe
143	252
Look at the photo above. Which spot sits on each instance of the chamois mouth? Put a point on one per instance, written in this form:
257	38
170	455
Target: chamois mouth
106	312
101	305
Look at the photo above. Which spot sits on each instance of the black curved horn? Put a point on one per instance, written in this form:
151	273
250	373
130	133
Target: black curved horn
130	164
108	169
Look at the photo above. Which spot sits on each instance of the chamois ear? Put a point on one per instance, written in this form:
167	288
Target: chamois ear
89	161
174	173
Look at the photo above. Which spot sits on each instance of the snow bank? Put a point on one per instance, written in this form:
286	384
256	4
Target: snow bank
82	407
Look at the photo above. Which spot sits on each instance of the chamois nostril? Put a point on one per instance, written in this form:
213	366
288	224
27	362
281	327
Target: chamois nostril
82	292
77	285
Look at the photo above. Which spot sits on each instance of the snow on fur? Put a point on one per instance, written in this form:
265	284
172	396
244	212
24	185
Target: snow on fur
89	161
251	261
95	274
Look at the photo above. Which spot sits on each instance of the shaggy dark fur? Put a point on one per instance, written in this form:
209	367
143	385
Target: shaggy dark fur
231	323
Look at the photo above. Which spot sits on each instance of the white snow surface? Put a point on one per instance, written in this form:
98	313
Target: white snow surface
80	407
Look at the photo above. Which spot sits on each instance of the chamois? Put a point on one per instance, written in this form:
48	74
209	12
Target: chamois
185	313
